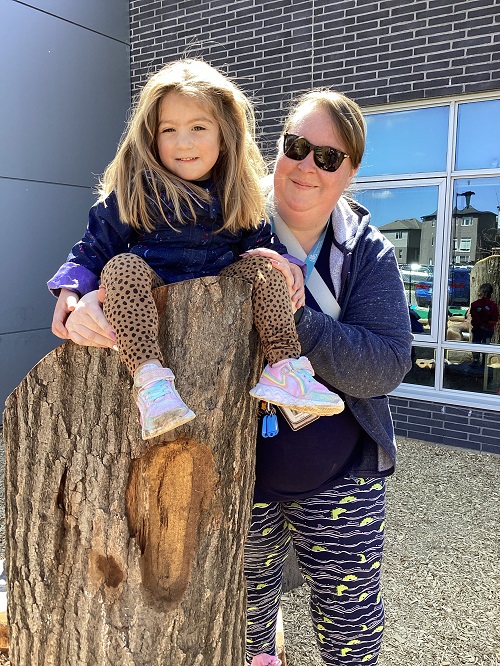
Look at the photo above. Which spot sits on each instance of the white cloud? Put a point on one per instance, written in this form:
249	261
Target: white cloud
382	194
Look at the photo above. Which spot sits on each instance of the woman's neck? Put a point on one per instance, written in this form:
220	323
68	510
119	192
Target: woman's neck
305	230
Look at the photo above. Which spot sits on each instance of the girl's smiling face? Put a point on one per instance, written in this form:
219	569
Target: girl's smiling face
188	137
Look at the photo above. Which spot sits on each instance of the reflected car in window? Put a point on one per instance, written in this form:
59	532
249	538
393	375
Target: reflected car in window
458	287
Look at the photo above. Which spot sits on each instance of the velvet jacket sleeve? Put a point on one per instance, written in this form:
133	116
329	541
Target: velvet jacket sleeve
105	237
367	352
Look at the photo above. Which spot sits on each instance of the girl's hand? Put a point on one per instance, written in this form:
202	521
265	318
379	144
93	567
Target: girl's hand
66	303
87	324
291	272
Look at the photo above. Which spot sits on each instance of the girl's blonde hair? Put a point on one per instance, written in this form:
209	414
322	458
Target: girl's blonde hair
138	177
345	114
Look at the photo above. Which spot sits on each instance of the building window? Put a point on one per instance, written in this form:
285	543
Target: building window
431	180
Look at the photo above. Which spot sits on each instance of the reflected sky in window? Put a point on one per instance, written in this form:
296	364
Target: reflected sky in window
484	193
478	135
413	141
399	203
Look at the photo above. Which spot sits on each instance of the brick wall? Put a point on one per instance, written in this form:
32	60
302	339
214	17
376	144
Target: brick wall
447	424
376	51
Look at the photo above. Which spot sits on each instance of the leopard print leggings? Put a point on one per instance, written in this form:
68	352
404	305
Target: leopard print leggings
130	308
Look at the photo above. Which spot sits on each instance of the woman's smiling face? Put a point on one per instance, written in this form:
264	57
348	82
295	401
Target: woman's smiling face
301	186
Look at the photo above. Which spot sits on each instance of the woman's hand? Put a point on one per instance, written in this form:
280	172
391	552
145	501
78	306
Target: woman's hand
87	325
291	272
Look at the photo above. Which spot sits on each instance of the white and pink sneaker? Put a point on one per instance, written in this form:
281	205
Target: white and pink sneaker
160	406
265	660
290	383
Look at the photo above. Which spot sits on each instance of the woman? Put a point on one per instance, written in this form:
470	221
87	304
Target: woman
322	486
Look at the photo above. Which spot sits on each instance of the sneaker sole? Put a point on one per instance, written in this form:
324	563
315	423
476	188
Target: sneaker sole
168	425
278	397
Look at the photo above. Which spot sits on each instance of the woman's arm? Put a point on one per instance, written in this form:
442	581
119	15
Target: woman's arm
368	351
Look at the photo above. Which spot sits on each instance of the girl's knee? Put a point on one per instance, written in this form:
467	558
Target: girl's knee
254	263
122	264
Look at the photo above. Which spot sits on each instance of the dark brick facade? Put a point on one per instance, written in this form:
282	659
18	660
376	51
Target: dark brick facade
375	51
470	428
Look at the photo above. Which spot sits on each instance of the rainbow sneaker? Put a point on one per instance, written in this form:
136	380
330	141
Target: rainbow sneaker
160	406
290	383
265	660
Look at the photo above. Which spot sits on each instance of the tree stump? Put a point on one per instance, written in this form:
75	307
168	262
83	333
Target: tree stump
125	552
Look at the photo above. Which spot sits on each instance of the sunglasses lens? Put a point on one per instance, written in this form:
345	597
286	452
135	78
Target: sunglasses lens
326	158
296	147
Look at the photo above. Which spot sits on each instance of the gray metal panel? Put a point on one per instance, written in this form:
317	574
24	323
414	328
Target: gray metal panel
19	352
43	223
68	91
109	17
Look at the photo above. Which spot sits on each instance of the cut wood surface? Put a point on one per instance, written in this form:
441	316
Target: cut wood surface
125	552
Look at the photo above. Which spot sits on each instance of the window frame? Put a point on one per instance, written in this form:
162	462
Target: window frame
436	340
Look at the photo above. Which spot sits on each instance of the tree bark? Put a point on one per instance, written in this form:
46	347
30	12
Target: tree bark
126	552
487	270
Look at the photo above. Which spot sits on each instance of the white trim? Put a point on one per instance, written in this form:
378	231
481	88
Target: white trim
483	401
435	101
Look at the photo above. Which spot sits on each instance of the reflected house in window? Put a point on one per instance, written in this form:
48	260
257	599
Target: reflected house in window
405	236
473	235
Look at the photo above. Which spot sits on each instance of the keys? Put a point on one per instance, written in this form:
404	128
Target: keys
269	419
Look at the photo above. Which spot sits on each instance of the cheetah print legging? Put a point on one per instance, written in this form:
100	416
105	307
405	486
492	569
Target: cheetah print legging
130	308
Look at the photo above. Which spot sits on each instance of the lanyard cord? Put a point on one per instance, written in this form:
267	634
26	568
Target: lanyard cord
313	255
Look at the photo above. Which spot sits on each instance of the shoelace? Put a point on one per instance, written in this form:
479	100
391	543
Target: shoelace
157	390
305	376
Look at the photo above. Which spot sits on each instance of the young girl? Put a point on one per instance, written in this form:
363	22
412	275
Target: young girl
182	200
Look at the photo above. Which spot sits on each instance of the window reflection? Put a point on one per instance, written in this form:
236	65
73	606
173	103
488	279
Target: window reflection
413	141
478	135
422	372
474	261
472	371
400	214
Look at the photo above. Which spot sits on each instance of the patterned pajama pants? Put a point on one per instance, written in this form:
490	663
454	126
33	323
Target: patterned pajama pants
130	308
338	537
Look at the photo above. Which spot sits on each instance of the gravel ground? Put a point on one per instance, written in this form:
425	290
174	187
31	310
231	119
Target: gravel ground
441	574
441	567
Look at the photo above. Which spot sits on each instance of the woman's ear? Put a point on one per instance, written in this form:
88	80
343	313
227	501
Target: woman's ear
351	176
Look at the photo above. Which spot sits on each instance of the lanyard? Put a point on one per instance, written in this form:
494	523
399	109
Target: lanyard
313	255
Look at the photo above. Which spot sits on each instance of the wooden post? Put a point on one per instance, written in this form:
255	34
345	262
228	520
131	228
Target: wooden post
125	552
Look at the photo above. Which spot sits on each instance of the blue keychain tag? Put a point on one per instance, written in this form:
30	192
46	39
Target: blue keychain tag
269	422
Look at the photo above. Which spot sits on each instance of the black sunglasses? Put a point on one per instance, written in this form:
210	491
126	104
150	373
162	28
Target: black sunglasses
326	158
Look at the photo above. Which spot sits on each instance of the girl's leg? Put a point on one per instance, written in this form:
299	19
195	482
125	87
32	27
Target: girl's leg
338	537
266	549
130	308
287	380
272	307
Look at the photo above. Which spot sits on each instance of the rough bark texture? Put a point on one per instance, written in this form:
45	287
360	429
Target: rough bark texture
487	270
127	552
